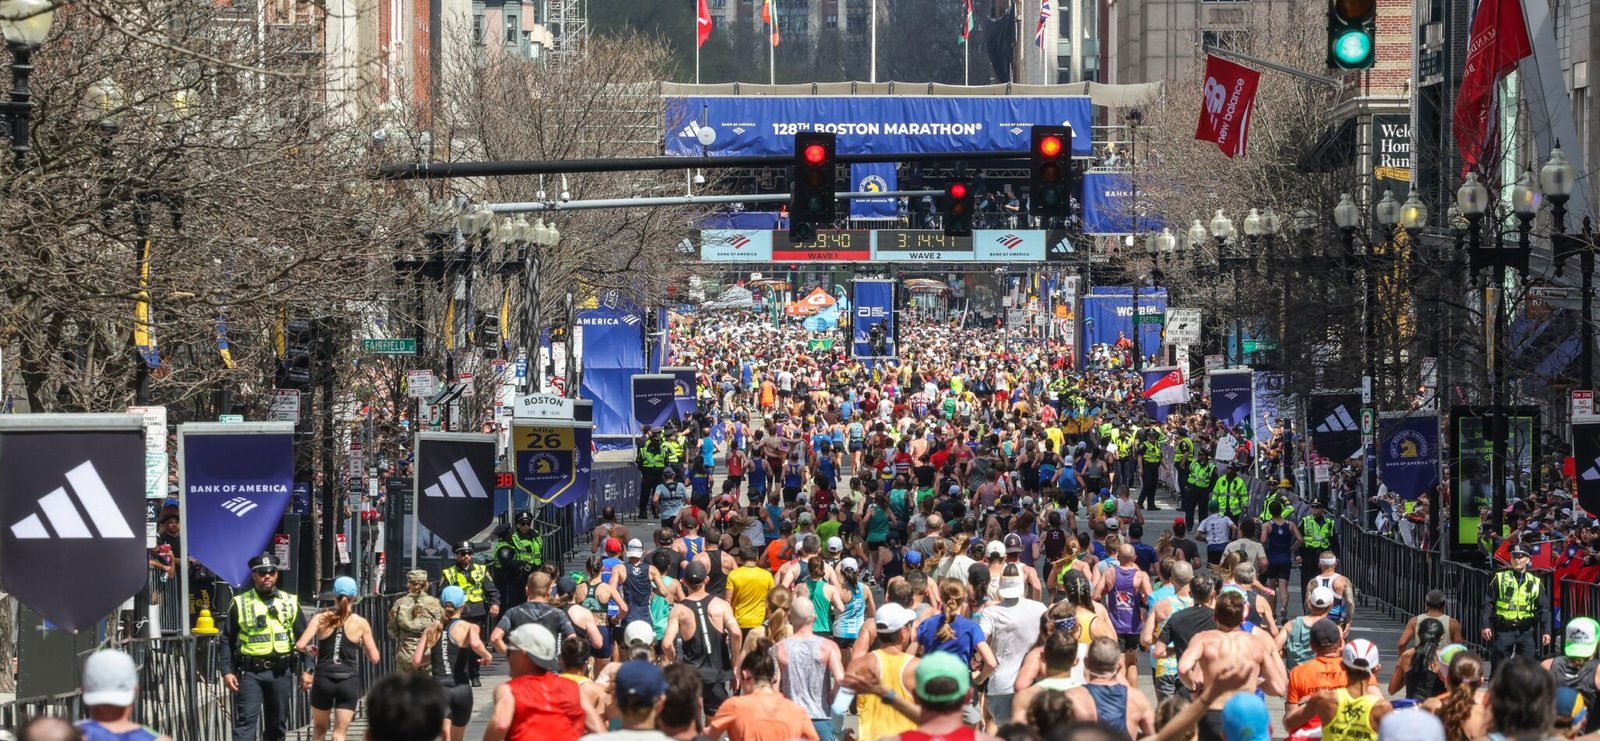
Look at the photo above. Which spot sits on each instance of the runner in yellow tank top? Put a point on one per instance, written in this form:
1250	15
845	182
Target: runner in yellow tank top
1353	712
876	705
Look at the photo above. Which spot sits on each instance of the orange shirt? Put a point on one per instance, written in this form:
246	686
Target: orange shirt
763	716
769	394
548	708
775	554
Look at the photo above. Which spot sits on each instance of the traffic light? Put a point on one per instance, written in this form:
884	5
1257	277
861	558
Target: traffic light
294	366
811	201
958	208
1352	29
1049	162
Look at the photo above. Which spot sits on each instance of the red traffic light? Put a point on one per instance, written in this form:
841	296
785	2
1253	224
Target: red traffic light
1050	146
958	190
815	154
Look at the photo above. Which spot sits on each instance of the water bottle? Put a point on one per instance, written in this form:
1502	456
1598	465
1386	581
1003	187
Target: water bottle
841	705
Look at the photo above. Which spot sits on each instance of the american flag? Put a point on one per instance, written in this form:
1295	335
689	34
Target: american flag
1044	18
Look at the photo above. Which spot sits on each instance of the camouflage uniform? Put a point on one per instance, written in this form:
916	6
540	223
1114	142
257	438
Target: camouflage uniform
409	616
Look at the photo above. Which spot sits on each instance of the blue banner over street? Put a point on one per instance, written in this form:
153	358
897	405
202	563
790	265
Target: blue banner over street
1109	206
1232	396
766	124
652	395
613	350
873	177
1408	453
235	489
1108	316
874	301
683	390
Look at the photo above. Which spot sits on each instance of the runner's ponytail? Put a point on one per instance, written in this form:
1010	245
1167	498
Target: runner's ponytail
954	593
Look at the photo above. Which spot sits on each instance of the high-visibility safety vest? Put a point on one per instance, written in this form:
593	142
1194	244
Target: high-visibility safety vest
1515	602
1318	531
674	450
1274	497
1152	452
527	550
1183	450
652	458
1200	474
1230	493
470	581
265	625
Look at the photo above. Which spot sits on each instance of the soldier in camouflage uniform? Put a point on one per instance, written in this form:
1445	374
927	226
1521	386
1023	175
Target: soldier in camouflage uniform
410	615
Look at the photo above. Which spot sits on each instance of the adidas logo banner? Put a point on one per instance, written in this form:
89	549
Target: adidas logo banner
455	484
653	398
236	481
72	513
1334	420
1586	458
553	460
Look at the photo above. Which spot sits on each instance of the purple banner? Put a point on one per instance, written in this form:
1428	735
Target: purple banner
1408	454
237	488
1231	400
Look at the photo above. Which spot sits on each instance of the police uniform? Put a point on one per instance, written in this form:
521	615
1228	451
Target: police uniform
1317	535
257	648
1197	487
409	616
1518	611
652	460
481	594
1230	494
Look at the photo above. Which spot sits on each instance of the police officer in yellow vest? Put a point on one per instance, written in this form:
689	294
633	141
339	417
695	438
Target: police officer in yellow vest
1518	610
259	663
1149	450
1319	535
1197	486
673	447
1229	493
1182	453
652	460
483	599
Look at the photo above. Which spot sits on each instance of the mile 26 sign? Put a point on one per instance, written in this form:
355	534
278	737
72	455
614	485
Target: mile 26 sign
72	514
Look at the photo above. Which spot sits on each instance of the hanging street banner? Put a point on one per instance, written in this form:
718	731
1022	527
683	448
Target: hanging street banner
455	476
1231	396
1391	152
553	460
1111	205
236	480
1408	453
685	382
654	401
1331	418
1586	458
867	124
874	177
874	307
72	514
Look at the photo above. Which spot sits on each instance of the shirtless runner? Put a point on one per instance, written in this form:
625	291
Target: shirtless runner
1212	651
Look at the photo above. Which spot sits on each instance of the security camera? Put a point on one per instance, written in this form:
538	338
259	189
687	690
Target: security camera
565	196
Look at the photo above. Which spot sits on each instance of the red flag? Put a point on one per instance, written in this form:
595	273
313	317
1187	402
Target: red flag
703	23
1226	104
1498	40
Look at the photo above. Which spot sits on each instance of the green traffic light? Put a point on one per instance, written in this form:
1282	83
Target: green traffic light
1049	196
1352	48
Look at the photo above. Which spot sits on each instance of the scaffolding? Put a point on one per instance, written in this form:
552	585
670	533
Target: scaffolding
568	22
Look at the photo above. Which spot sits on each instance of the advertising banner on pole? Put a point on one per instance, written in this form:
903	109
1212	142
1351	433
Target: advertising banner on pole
652	396
874	307
1335	432
455	475
612	350
1408	453
236	481
873	177
72	514
554	459
1110	206
684	385
1586	460
1231	396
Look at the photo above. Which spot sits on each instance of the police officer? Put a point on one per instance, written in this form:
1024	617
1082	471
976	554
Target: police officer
1319	535
1517	611
410	615
1197	485
1182	453
652	459
673	449
1230	493
259	663
1280	496
526	547
1149	450
483	599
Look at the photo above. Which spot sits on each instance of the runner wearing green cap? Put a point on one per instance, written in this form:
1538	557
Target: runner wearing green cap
1576	668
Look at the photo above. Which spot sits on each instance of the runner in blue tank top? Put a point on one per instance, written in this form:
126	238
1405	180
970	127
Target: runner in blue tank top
1283	541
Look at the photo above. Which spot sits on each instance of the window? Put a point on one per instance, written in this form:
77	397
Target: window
477	28
833	21
1223	39
513	29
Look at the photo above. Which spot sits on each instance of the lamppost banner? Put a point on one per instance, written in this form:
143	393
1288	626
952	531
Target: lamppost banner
684	399
236	487
653	398
1408	453
455	474
1232	397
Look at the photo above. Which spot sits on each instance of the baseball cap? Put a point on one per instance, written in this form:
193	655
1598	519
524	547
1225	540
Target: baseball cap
344	586
695	572
613	545
1013	543
566	585
914	558
109	678
893	616
539	644
1027	501
453	595
1411	724
640	679
1361	654
1323	597
639	631
1583	634
1176	521
1448	653
1108	506
1245	718
1113	523
635	548
1571	707
994	548
835	544
1011	587
806	518
1325	633
942	665
849	564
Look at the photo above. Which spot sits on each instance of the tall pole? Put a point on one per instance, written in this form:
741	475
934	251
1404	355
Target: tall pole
1369	317
1586	329
966	60
696	41
873	67
772	48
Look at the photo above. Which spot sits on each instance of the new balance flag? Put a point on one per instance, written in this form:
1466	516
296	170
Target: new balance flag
455	477
1499	38
72	516
702	23
1227	101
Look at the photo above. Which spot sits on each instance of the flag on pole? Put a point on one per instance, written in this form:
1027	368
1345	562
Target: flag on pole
703	23
1044	18
769	17
1167	389
1499	39
966	21
144	339
1226	103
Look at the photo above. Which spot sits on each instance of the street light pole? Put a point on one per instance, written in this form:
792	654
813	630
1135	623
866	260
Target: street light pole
25	24
1555	179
